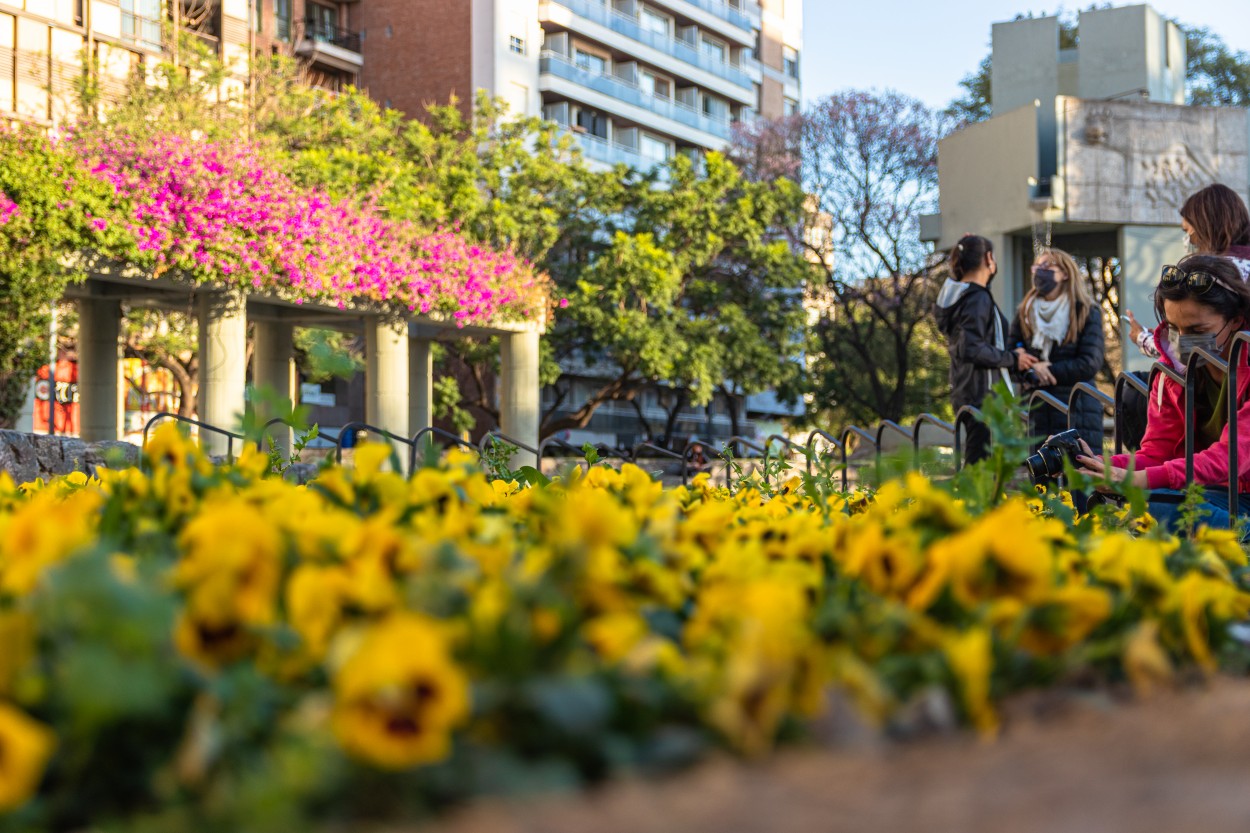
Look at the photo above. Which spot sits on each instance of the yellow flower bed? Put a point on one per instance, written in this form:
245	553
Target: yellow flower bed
203	644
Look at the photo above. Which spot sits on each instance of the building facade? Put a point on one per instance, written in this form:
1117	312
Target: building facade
44	44
638	82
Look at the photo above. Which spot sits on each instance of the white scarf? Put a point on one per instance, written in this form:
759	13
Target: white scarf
1050	320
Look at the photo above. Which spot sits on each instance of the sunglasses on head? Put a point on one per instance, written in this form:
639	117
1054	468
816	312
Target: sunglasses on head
1199	282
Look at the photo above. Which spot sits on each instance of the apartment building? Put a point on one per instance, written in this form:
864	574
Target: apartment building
638	81
44	43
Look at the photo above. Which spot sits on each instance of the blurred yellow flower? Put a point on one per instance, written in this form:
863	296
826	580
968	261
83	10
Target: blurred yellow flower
25	746
399	696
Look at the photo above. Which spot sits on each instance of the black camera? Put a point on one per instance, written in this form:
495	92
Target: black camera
1046	465
1030	378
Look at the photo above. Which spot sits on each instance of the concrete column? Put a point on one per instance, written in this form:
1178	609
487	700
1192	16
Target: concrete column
273	372
386	379
223	367
99	369
420	383
519	391
1144	251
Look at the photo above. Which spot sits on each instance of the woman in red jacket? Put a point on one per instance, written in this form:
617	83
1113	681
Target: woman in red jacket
1202	302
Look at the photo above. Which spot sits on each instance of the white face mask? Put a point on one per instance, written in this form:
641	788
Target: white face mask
1190	248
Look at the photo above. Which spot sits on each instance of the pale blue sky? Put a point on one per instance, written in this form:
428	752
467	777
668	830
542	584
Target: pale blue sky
923	47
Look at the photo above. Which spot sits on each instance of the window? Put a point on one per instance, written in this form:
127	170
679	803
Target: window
792	107
715	108
322	22
594	123
656	23
516	45
657	150
791	56
259	12
591	62
656	85
141	22
713	49
282	19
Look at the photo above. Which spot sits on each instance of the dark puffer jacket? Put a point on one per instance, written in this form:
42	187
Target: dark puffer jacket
971	321
1070	362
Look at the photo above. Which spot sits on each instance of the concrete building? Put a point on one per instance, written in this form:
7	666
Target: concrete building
1091	147
638	82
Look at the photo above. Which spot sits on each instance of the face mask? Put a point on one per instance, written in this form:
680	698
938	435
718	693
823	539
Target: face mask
1044	281
1184	345
1190	248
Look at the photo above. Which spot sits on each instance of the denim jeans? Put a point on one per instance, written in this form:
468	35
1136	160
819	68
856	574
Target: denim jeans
1164	506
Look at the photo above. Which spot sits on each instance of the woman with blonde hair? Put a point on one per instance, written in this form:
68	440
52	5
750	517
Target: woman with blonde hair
1058	337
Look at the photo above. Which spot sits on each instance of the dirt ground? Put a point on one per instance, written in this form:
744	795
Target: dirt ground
1178	763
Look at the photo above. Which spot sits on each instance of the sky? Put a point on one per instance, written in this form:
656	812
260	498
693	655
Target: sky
924	47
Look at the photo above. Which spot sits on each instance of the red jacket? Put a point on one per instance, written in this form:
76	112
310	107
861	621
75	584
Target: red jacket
1162	454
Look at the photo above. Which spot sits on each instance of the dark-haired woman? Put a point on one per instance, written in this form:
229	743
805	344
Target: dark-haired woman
1202	302
1216	222
976	334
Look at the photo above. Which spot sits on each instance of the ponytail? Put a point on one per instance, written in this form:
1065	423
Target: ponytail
968	255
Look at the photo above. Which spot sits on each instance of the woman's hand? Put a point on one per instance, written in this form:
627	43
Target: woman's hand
1100	468
1024	359
1134	327
1045	378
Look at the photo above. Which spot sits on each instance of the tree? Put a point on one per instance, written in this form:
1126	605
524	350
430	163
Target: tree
1217	75
869	165
49	209
677	281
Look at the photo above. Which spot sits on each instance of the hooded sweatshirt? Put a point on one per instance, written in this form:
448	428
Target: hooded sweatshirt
975	333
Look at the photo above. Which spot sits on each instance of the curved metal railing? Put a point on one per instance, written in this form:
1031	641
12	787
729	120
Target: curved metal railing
354	429
230	436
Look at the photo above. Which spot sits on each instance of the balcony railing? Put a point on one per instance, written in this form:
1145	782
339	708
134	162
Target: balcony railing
334	35
631	27
740	16
556	64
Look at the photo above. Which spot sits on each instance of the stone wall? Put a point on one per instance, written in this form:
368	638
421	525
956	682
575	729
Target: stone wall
28	457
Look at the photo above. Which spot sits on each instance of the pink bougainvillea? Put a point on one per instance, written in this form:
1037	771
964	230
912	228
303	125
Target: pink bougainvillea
219	212
7	208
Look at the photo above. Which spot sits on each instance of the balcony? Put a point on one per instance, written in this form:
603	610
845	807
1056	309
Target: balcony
747	15
620	90
331	46
632	28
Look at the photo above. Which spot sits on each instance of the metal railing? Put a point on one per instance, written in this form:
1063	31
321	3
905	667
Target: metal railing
1122	383
322	32
353	430
632	28
230	436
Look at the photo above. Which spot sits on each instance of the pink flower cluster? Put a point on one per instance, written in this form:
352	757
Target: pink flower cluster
7	209
219	212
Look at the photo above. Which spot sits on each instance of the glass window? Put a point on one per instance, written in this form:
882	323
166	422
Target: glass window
591	62
141	22
714	49
322	22
259	12
656	85
792	107
792	61
282	19
655	149
656	23
596	124
516	45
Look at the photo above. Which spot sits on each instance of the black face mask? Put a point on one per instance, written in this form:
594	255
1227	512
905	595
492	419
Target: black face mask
1044	281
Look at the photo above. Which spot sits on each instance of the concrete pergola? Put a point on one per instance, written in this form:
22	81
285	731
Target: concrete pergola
399	367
